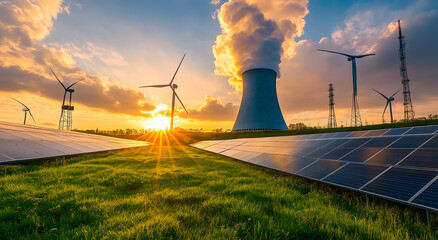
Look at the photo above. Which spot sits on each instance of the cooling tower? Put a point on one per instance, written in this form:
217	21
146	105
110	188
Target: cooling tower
259	109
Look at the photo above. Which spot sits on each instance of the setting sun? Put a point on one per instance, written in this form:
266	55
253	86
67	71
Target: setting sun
158	121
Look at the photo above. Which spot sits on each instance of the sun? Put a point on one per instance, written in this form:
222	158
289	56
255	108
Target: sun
158	121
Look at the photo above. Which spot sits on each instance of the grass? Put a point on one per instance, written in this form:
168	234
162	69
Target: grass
176	192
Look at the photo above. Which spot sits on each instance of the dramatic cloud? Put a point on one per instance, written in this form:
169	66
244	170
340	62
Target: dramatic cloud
256	34
304	83
213	110
24	61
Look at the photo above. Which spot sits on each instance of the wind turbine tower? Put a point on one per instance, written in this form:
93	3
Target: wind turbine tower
25	110
355	113
388	102
409	109
65	121
173	87
332	116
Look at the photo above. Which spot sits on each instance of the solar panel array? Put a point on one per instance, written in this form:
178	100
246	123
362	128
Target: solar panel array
399	164
25	142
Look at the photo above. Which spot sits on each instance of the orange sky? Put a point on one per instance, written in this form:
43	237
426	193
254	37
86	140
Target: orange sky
109	96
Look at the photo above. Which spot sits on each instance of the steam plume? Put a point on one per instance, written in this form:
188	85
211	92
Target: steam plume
256	34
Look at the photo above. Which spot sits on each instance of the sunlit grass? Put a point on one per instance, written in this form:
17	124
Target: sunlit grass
174	192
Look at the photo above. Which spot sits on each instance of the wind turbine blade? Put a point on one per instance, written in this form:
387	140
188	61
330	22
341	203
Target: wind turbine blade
74	83
57	78
361	56
395	93
19	102
157	86
385	108
380	94
173	78
322	50
179	100
32	116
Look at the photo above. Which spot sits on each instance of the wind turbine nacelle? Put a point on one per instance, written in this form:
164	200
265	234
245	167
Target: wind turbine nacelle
25	109
70	90
349	59
259	109
175	86
391	99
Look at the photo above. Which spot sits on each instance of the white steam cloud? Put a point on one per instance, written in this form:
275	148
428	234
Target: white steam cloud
256	34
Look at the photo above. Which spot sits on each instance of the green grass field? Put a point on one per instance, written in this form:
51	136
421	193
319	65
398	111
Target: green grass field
176	192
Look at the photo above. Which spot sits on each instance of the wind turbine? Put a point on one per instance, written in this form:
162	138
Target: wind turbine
388	102
25	110
355	114
65	121
172	86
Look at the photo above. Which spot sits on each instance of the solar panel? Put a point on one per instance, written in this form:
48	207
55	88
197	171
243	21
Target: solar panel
26	142
400	183
389	156
354	175
428	198
426	158
399	164
360	154
410	141
320	169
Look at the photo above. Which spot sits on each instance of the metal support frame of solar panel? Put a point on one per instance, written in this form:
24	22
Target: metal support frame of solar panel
399	164
26	142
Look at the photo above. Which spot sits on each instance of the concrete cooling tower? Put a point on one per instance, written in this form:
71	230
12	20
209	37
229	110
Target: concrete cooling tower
259	109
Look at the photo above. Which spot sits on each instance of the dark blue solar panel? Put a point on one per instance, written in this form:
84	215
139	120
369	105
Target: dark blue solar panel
423	129
394	163
390	156
321	143
354	175
427	158
336	143
428	197
274	161
320	169
432	143
297	164
302	151
357	134
361	154
410	141
396	131
400	183
354	143
375	133
341	134
318	152
380	142
337	153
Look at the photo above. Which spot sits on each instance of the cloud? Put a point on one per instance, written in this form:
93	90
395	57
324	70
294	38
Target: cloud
304	82
24	61
256	34
215	2
212	110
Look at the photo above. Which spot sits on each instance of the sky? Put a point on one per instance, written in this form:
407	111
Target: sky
117	46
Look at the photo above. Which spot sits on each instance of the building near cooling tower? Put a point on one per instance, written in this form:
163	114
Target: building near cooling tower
259	109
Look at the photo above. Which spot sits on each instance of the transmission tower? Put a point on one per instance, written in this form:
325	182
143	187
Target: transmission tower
409	109
355	121
332	116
